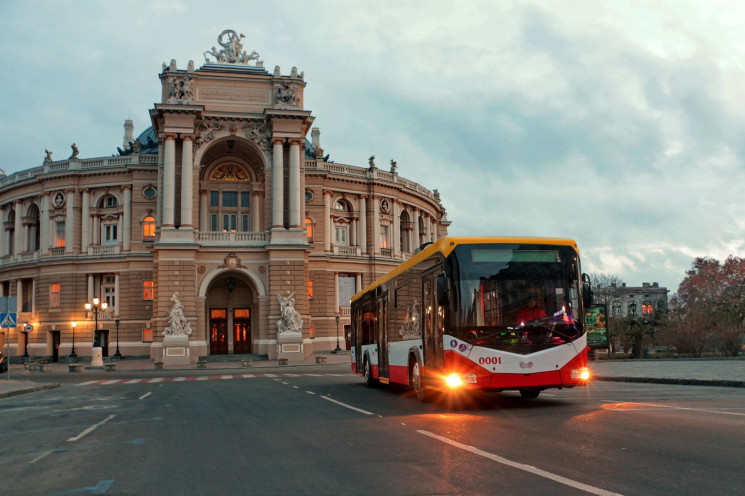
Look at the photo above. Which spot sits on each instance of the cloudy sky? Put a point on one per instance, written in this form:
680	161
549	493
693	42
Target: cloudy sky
620	124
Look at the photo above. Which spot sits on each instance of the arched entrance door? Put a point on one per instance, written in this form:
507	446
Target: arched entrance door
230	311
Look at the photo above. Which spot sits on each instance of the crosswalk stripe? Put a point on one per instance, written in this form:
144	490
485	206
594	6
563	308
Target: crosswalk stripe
154	380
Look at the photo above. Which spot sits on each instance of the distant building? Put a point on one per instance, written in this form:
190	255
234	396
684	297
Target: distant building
223	202
647	299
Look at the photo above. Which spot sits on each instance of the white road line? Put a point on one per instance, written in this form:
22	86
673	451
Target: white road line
295	387
157	379
145	396
203	378
347	406
133	381
669	407
91	429
248	376
226	377
41	456
310	392
521	466
270	375
179	379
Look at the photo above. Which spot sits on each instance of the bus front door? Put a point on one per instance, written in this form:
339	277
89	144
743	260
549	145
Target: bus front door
433	321
383	336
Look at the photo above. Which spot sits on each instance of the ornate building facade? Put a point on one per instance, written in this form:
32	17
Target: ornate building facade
223	202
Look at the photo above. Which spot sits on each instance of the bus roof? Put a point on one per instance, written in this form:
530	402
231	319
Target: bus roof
447	245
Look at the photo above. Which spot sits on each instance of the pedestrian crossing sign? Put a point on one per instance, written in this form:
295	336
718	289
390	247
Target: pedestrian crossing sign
8	320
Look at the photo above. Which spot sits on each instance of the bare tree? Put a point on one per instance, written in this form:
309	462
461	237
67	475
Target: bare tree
607	291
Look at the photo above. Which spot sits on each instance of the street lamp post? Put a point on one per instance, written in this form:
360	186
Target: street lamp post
338	349
117	354
72	353
96	306
25	342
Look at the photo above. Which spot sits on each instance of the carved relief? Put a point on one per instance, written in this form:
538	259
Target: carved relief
259	134
286	95
180	89
232	261
206	133
229	172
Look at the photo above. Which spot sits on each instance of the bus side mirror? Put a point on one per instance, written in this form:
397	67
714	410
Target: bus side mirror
443	293
586	291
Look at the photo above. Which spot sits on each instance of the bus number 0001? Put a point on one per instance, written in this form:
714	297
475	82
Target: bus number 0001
490	360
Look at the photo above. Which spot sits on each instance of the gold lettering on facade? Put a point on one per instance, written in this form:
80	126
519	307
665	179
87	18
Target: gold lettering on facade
233	95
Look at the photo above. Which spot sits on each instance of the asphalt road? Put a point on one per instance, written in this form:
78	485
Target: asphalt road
326	434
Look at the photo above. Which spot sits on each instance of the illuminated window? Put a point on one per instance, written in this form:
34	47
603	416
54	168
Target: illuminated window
59	234
54	293
384	238
647	309
309	229
148	228
312	332
147	290
147	335
310	290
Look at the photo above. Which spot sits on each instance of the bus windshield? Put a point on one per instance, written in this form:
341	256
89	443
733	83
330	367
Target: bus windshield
517	298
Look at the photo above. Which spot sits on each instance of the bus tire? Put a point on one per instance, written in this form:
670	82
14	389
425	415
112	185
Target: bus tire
530	393
369	381
417	382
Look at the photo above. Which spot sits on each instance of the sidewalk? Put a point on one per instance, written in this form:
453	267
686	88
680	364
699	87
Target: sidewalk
724	372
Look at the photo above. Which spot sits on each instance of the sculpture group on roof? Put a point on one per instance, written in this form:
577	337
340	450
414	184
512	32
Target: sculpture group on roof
232	50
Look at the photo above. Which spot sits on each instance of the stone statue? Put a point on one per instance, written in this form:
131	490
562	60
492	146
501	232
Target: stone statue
371	161
178	323
290	320
74	151
48	158
436	195
232	50
394	167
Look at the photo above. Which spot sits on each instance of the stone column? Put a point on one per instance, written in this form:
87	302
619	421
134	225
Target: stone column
363	223
91	287
85	221
187	181
3	236
358	282
204	211
255	211
169	181
18	231
43	225
415	241
161	181
294	186
376	225
396	234
117	296
428	229
127	227
19	296
336	293
69	220
353	231
277	183
327	220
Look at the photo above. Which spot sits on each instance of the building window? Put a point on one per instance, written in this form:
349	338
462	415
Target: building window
214	198
309	229
213	222
310	290
384	239
647	309
229	198
110	234
341	236
147	335
110	202
148	228
617	309
109	290
147	290
312	332
342	206
59	234
229	223
245	199
244	222
54	295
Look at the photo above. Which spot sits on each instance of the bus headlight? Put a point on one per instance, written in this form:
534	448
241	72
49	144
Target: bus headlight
457	380
582	374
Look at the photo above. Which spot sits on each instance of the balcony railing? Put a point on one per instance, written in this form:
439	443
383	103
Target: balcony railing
386	252
219	238
353	251
57	251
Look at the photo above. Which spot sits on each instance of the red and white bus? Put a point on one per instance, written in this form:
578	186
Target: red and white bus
488	314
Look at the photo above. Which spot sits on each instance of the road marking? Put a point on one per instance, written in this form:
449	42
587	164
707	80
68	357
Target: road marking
669	407
347	406
41	456
310	392
99	488
521	466
145	396
90	429
179	379
151	380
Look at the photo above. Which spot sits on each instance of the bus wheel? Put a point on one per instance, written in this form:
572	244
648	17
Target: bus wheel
417	381
369	381
529	393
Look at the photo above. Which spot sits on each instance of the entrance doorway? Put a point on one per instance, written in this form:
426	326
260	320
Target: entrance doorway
241	330
219	331
55	346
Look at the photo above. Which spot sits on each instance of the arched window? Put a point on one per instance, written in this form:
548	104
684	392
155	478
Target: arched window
148	228
342	206
230	199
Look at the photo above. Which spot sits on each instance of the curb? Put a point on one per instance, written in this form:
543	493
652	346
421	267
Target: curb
31	389
666	380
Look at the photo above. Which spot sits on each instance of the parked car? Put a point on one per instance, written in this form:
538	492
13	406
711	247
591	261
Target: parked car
3	363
